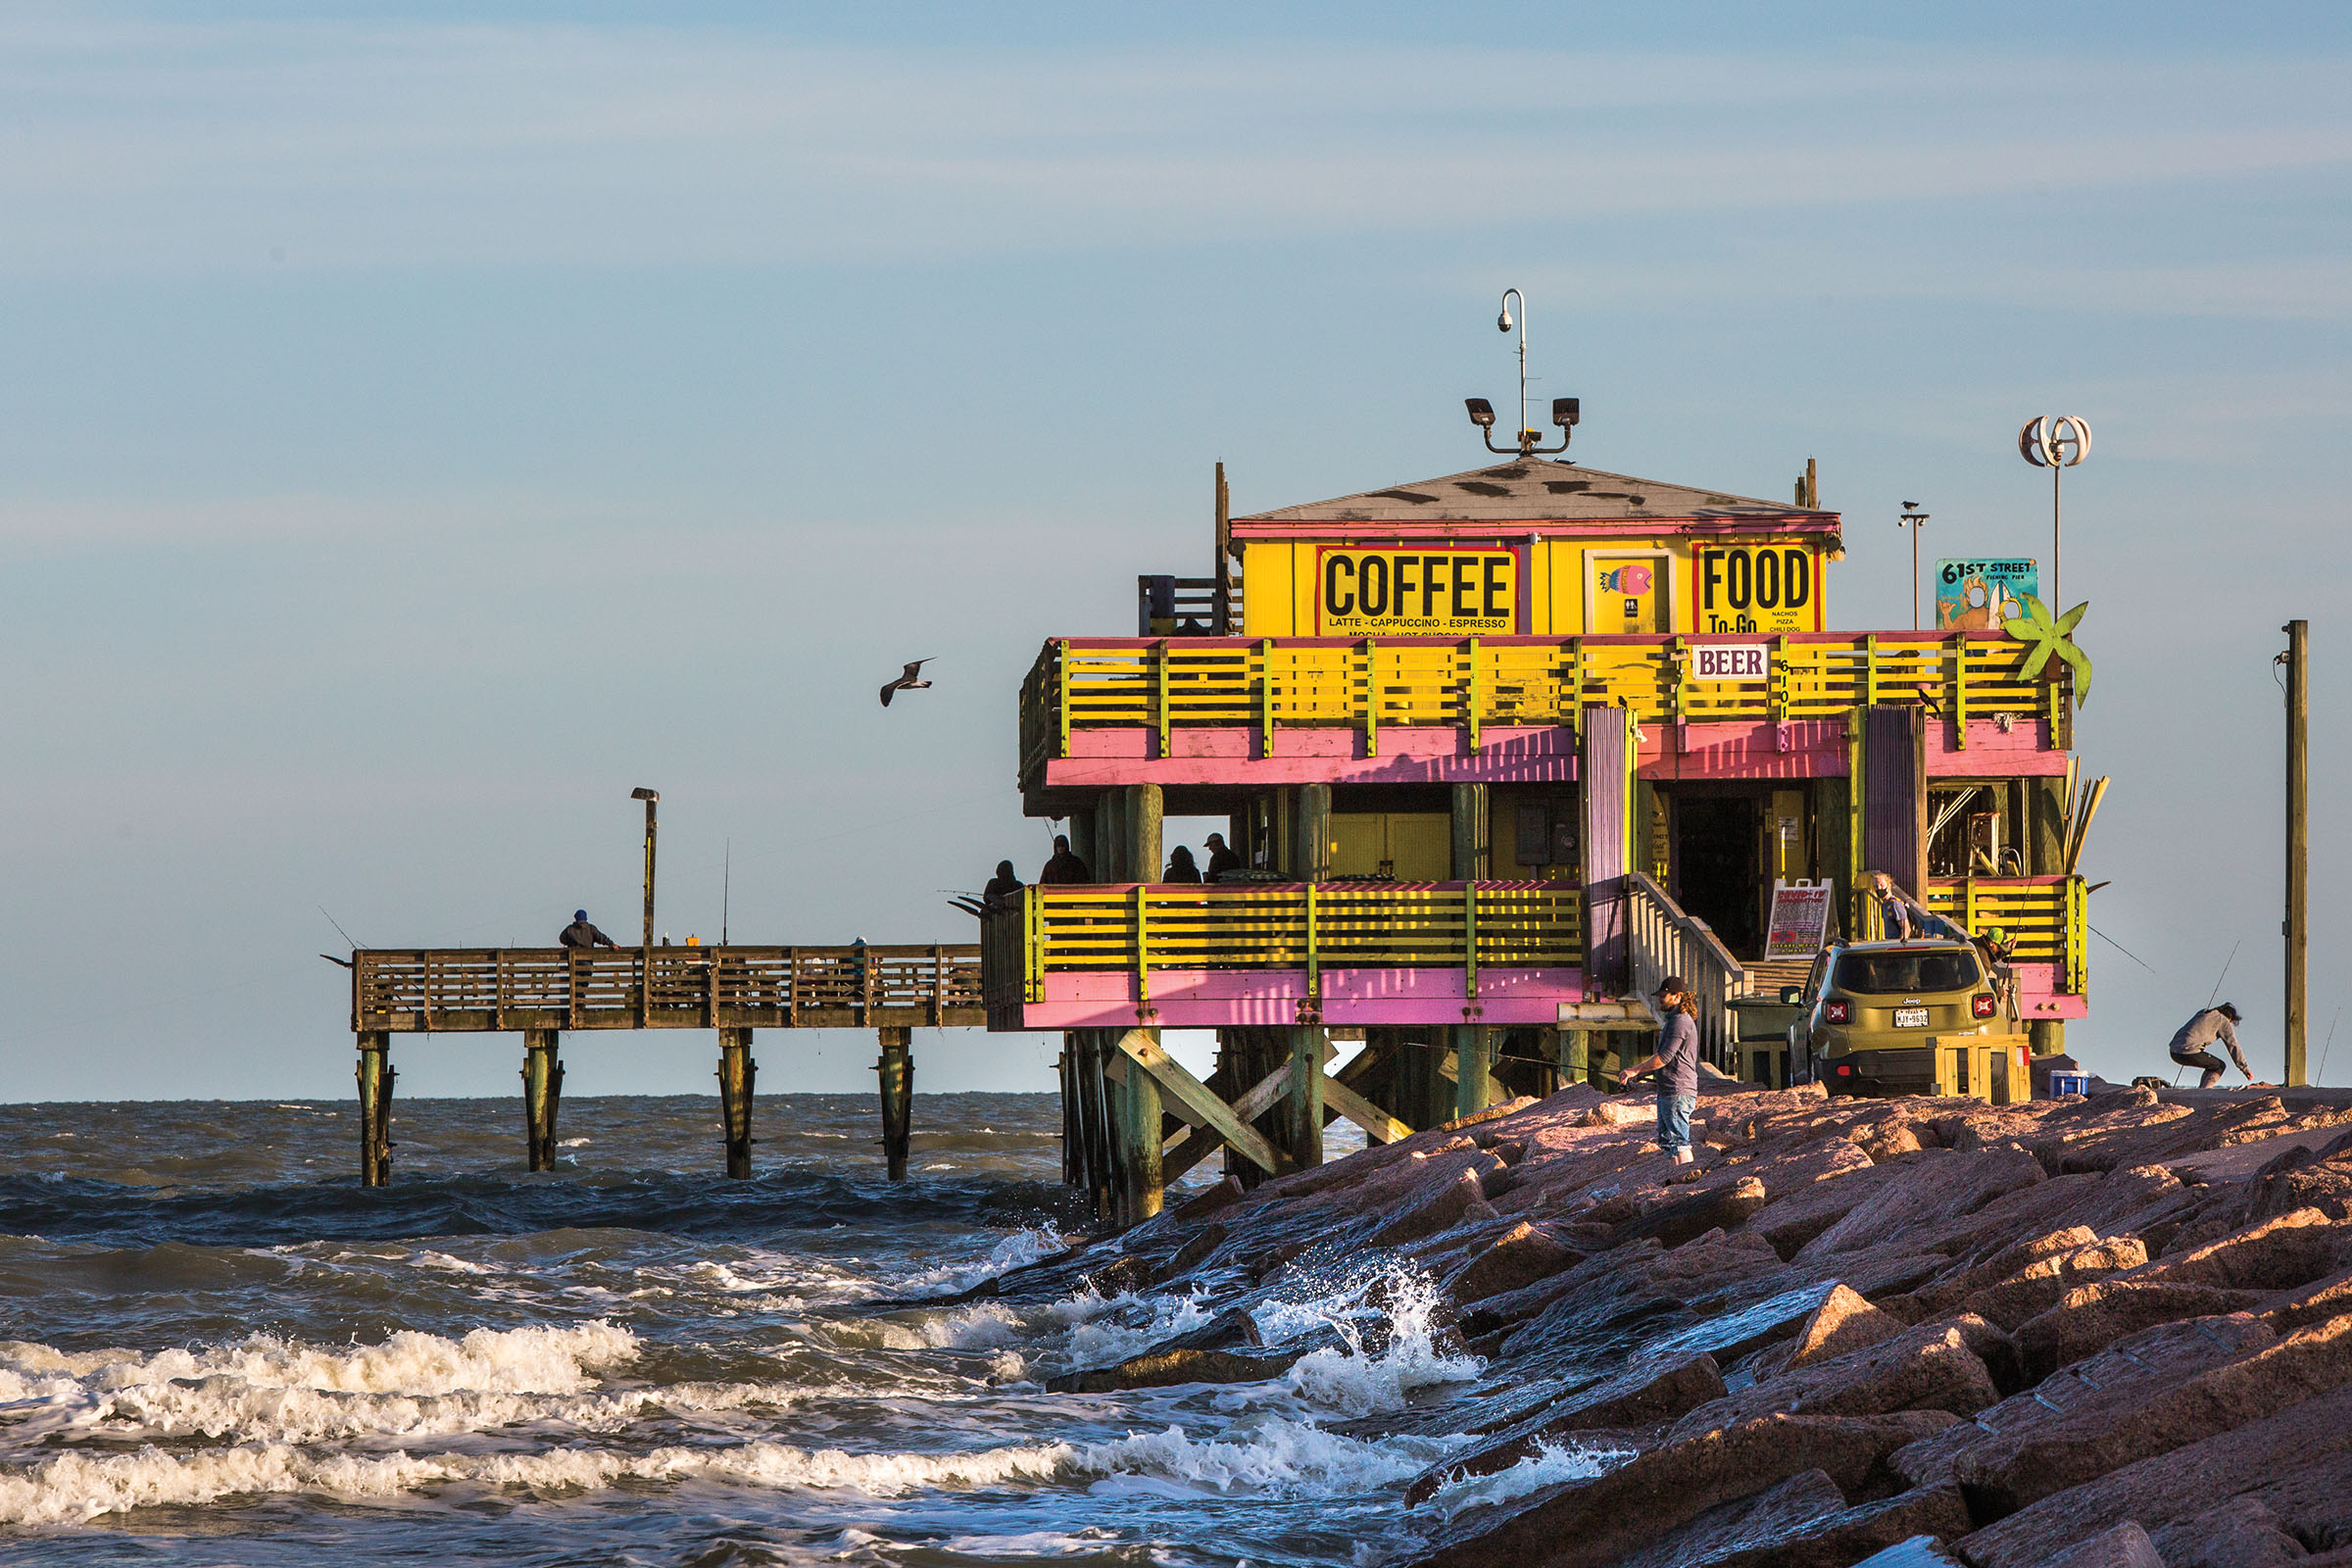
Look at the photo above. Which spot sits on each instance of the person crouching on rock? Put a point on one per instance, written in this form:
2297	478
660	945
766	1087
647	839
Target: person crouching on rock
1676	1063
2192	1044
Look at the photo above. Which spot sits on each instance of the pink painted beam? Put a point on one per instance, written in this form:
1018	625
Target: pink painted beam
2038	998
1518	754
1211	999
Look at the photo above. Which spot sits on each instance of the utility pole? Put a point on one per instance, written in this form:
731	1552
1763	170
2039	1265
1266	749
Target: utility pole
2298	845
651	799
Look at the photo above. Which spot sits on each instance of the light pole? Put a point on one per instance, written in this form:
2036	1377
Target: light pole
651	799
2054	442
1565	412
1914	519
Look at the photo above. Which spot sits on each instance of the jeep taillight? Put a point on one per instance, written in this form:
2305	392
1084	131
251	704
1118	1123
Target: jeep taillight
1845	1069
1982	1006
1836	1012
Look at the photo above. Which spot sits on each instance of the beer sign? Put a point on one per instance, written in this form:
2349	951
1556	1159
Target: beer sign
1730	661
1438	592
1756	588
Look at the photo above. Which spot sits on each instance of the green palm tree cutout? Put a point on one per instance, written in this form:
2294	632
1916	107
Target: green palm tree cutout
2052	637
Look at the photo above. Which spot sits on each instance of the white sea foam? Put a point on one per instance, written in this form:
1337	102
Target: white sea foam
1017	1251
1274	1455
1105	1330
77	1486
1344	1377
1550	1465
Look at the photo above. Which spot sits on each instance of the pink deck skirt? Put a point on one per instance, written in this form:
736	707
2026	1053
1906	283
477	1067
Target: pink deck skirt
1545	754
1211	999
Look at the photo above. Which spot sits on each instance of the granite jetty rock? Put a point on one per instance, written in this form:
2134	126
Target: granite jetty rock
2090	1331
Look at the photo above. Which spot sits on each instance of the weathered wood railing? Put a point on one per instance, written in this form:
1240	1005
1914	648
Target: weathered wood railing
1273	683
2047	915
449	990
1665	941
1141	927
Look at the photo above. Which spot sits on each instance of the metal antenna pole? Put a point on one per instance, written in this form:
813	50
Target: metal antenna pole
2057	594
1505	321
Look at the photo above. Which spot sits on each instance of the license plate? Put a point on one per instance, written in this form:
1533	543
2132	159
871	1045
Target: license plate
1910	1017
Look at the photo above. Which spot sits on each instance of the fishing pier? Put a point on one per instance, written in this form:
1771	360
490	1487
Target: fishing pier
542	993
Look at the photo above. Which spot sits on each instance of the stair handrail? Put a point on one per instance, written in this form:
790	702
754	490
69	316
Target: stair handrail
1665	940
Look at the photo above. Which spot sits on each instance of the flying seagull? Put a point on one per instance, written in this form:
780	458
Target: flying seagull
908	682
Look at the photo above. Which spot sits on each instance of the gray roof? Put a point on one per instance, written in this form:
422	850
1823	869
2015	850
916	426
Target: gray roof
1536	490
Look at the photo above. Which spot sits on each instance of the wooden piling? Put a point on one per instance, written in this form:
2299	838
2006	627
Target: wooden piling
1140	819
1470	832
1302	1106
736	1072
1473	1067
1140	1186
2296	926
375	1075
896	1070
542	1091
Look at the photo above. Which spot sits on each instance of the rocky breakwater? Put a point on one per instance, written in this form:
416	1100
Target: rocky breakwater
2072	1333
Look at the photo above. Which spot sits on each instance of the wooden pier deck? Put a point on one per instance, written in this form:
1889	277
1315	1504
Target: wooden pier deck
541	993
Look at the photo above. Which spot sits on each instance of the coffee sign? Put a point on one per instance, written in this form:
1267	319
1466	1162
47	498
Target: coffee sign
1435	592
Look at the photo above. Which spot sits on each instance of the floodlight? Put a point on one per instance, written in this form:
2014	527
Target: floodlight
1565	412
1482	413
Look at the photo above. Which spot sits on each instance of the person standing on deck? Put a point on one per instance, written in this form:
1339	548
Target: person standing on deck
1065	867
1220	859
1676	1062
1181	867
581	933
2191	1044
1002	888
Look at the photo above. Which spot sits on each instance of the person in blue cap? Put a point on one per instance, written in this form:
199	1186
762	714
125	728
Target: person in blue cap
581	933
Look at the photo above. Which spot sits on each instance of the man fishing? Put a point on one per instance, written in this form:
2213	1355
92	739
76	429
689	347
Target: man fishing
2191	1047
582	933
1676	1062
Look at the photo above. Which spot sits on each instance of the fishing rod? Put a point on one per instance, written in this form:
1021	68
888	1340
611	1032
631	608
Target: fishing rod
2225	974
2323	1045
338	925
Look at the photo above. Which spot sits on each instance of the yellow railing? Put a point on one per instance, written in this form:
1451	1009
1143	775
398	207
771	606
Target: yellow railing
2048	915
1140	928
1162	683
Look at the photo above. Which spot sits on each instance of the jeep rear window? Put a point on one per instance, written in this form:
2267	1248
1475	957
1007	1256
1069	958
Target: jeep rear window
1872	973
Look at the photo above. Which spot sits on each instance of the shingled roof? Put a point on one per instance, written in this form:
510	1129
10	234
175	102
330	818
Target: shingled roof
1537	490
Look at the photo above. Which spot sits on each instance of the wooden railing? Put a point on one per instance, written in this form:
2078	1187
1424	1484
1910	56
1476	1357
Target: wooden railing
1367	685
2048	915
1665	941
451	988
1141	927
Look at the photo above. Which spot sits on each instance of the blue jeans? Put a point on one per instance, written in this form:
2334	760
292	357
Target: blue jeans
1674	1120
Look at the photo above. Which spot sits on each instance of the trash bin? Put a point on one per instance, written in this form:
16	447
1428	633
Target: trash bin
2069	1083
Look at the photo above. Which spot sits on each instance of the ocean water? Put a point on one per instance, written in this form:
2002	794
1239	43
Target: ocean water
217	1348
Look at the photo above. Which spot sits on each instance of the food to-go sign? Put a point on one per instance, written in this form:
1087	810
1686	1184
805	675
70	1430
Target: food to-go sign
1730	661
1757	588
1439	592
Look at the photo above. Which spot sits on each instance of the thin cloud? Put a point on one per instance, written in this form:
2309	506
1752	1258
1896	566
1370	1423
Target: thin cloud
170	147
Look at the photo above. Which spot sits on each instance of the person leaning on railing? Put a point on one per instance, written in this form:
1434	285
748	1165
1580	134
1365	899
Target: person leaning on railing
1676	1062
582	933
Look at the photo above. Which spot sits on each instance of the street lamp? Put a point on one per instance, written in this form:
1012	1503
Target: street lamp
651	799
1565	412
2054	442
1914	519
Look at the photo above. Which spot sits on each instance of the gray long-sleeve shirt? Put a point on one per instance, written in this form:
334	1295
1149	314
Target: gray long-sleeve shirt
1677	1055
2203	1030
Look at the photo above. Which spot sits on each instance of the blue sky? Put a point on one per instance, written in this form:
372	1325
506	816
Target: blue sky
421	424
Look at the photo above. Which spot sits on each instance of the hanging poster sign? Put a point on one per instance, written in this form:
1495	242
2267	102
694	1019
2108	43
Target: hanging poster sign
1423	593
1756	588
1801	918
1982	595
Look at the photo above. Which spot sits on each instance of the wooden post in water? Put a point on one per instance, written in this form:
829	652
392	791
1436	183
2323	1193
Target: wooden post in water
1473	1063
542	1089
1140	1187
1302	1106
2298	848
375	1074
896	1069
736	1072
